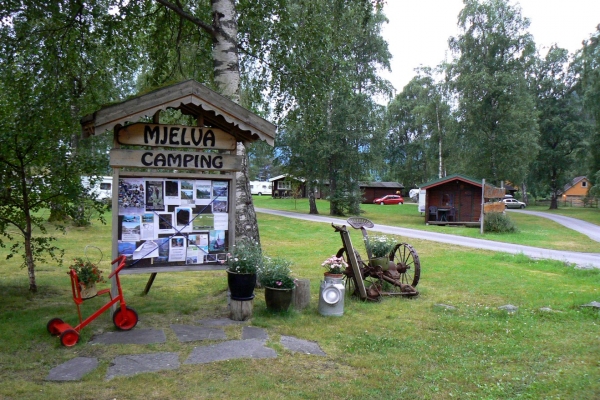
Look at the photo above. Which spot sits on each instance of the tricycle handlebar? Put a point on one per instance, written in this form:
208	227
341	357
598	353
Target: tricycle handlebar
121	260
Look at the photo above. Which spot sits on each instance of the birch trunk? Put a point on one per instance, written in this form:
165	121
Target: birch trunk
227	80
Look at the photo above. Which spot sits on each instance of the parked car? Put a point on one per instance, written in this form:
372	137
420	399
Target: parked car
389	199
513	203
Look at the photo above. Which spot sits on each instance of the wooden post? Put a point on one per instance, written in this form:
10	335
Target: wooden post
301	296
481	218
241	310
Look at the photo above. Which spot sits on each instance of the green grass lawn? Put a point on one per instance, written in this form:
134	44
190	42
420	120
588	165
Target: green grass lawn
396	348
533	231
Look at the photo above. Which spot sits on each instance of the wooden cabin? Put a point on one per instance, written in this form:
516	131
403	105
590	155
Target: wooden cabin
286	186
575	191
375	190
454	199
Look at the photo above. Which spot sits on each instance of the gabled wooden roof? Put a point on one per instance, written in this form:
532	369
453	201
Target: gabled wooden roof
385	185
191	98
449	178
574	182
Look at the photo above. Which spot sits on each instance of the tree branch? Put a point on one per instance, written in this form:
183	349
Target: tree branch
182	13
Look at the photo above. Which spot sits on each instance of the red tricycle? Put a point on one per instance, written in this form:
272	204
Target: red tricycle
124	318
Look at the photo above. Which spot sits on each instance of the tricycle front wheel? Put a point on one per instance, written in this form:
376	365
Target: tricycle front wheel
125	320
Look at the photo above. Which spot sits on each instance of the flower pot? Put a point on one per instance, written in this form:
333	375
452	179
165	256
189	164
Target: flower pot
278	299
383	262
241	286
88	291
329	275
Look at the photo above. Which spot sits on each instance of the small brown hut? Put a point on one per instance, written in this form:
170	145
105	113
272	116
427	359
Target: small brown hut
375	190
454	199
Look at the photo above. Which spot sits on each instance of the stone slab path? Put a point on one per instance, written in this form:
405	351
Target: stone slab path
252	345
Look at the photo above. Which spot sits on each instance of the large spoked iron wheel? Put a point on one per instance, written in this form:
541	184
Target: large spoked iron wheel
125	320
407	263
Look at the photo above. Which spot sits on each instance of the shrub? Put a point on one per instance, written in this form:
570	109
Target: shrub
499	223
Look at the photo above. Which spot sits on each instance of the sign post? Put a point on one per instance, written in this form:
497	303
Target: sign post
174	186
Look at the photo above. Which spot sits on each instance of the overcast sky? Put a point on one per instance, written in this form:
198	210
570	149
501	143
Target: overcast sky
418	31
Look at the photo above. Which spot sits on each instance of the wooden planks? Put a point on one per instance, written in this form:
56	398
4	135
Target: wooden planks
142	134
186	160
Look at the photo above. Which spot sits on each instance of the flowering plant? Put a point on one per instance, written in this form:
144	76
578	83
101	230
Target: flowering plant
335	265
87	272
245	257
380	246
275	273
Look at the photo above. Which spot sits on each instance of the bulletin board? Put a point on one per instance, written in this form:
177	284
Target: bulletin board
173	223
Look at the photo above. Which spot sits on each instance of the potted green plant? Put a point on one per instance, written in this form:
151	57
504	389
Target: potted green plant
275	277
88	274
242	265
380	247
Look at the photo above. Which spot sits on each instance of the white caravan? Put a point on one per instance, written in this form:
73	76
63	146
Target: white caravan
102	189
259	188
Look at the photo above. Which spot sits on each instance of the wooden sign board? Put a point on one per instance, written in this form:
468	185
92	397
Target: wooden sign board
497	207
142	134
187	160
492	192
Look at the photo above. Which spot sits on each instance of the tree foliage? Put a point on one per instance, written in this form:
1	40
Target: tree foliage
320	67
418	123
498	135
562	123
587	64
54	65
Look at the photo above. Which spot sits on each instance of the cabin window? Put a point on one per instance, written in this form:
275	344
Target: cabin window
584	184
284	185
105	186
446	199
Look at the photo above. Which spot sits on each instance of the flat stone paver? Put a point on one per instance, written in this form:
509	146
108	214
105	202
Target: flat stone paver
134	336
509	308
73	370
252	332
139	363
594	304
446	306
220	322
232	349
548	309
190	333
301	346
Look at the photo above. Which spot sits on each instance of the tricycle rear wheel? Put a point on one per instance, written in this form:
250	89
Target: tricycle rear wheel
52	326
69	338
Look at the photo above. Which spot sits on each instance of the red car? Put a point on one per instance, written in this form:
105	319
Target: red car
389	199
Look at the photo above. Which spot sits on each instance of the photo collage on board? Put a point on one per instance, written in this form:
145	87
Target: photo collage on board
173	221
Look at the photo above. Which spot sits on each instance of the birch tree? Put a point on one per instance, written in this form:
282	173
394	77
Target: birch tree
497	115
223	31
